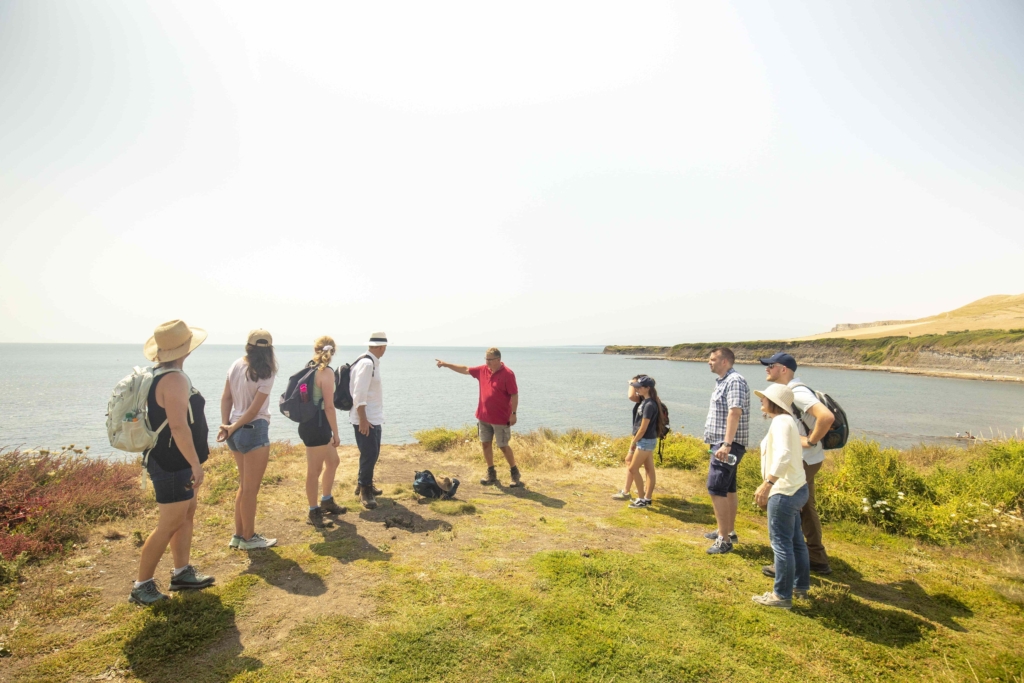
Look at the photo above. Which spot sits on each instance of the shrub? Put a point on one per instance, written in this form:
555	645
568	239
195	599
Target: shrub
441	439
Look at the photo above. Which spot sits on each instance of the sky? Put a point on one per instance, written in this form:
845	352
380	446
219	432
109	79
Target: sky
516	174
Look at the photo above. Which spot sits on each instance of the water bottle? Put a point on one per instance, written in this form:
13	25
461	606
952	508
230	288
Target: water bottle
304	393
730	459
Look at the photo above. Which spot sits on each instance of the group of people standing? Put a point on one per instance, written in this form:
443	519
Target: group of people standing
790	457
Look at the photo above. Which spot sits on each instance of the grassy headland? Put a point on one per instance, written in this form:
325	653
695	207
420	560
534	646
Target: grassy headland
554	582
989	354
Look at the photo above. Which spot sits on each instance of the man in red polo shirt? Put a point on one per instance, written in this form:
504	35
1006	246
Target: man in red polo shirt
496	412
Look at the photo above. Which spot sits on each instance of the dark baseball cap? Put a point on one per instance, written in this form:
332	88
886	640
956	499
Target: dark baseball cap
642	381
781	359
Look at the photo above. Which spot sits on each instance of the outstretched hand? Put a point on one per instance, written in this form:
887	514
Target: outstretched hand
440	363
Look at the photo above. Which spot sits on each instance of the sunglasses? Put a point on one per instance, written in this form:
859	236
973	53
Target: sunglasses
769	367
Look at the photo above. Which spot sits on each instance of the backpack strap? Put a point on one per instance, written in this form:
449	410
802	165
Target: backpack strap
800	413
191	418
373	367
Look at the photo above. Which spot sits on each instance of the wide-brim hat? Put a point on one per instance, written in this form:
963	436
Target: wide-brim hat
780	395
378	339
173	340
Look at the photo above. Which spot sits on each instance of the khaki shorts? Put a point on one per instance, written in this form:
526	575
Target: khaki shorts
489	432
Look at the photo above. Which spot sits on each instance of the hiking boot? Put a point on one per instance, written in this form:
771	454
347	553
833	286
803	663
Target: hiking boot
492	477
621	495
190	580
770	600
316	518
376	491
768	570
332	508
712	535
821	569
366	497
640	503
235	540
721	546
147	594
800	593
516	478
257	542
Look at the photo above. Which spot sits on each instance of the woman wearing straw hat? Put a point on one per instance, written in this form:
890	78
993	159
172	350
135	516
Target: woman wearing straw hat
320	436
245	425
175	463
783	493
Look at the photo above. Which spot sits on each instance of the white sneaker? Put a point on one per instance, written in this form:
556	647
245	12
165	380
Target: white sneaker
621	495
257	542
235	540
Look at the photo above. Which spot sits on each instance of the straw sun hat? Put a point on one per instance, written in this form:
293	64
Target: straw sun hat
173	340
780	395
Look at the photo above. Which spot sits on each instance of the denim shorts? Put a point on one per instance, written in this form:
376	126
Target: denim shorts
170	487
249	437
646	444
722	476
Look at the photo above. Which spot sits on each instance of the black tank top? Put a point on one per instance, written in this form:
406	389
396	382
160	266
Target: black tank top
165	453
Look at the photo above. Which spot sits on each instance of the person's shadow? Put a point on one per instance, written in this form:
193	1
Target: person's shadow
165	649
536	497
284	573
684	510
394	515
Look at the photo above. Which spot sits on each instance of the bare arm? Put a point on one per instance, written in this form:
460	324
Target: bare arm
461	369
249	415
515	404
172	395
823	422
225	412
732	423
325	380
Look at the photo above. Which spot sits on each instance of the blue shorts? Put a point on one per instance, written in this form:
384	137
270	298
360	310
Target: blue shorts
249	437
646	444
722	476
170	487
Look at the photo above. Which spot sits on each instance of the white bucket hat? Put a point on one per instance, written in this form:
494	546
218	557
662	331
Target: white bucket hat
378	339
780	395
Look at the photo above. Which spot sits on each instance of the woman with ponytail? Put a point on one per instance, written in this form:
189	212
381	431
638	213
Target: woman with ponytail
647	427
320	436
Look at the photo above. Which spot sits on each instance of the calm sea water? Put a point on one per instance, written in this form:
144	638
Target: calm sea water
53	395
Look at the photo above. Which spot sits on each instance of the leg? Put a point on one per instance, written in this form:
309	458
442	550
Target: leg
722	483
181	541
250	481
649	468
509	457
240	464
722	514
171	517
802	573
782	520
369	451
488	448
314	464
734	506
630	477
331	462
811	524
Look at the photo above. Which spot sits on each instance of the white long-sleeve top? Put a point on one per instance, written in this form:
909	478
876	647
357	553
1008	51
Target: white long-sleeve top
366	389
782	456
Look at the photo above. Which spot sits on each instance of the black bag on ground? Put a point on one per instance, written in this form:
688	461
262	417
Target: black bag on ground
342	376
426	485
839	433
295	404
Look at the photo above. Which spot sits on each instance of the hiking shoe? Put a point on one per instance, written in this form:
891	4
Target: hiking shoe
147	594
721	546
768	570
235	540
517	480
640	503
332	508
451	491
621	495
769	600
366	497
713	535
316	518
800	593
492	477
257	542
821	569
190	580
376	491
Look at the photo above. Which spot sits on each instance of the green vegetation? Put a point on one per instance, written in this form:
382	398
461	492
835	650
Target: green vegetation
442	439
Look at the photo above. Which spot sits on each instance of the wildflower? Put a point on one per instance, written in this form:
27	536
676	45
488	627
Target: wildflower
863	500
992	526
866	509
975	521
952	514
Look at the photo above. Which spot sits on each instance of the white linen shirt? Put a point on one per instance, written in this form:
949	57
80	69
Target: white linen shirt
365	387
804	398
781	456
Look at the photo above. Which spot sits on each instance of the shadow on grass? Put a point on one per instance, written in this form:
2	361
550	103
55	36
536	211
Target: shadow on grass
525	494
284	573
345	545
395	515
835	608
196	631
684	510
758	553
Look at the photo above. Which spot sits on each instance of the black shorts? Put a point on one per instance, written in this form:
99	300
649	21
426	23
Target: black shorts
170	487
722	476
316	432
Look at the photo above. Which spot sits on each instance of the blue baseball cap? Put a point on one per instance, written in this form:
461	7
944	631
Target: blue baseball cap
781	359
642	381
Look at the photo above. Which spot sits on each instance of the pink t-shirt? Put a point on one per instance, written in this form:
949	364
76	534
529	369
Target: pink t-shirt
243	391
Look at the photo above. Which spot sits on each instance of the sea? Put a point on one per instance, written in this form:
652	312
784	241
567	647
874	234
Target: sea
54	395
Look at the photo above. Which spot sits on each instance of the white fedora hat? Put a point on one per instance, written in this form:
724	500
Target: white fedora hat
378	339
780	395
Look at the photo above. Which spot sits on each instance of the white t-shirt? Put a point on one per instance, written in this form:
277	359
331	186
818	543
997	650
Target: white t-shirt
243	391
804	398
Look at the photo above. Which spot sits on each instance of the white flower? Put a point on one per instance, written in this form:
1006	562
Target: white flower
975	521
952	514
863	500
899	493
867	509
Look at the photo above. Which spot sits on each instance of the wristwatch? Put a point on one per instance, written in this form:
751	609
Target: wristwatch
727	443
811	444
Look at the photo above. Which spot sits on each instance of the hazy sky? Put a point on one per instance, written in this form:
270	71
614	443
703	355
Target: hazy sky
516	174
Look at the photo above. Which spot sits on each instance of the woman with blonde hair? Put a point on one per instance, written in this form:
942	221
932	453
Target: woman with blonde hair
783	493
175	463
245	425
320	436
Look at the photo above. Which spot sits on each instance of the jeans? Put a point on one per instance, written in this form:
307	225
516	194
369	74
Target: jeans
254	435
369	451
791	560
810	521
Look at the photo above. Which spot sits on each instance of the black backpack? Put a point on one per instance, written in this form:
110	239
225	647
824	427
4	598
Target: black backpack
342	376
292	404
665	429
839	433
426	485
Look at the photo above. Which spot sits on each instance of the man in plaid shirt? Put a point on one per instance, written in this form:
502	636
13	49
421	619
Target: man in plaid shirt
726	432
